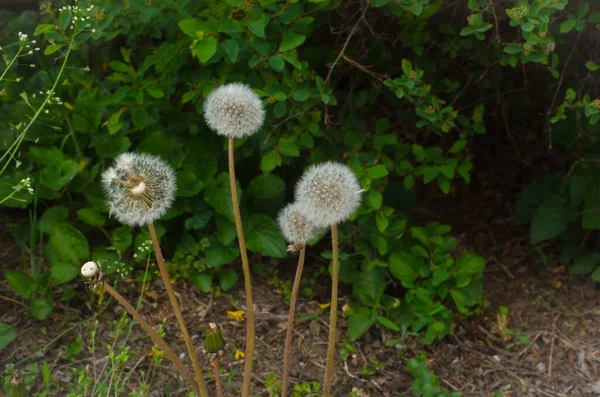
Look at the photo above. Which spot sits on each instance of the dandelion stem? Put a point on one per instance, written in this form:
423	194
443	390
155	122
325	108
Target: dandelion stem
290	325
246	270
155	337
186	336
215	365
333	309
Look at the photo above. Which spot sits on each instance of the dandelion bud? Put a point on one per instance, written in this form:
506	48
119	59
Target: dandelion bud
294	225
234	111
140	188
214	343
89	269
330	192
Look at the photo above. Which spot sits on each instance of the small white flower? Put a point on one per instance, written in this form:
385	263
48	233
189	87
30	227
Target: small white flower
46	111
30	52
294	224
140	188
89	269
31	65
234	111
19	79
330	192
93	30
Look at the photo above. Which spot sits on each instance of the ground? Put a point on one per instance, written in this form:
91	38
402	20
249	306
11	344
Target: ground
556	317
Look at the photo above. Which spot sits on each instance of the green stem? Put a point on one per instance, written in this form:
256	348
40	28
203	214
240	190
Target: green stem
290	326
11	62
333	316
39	111
246	271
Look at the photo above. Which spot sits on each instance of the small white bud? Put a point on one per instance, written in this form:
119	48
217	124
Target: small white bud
89	269
93	30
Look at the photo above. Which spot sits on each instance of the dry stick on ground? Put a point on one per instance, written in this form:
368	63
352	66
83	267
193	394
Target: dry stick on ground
186	335
246	271
155	338
333	314
290	325
215	365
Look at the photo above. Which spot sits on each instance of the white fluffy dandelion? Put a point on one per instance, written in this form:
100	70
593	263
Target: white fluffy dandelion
140	188
294	224
234	111
330	192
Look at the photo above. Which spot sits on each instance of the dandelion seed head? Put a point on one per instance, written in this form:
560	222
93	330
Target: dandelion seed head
330	193
294	224
140	188
234	111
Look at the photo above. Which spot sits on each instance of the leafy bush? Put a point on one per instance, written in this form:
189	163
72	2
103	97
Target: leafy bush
137	77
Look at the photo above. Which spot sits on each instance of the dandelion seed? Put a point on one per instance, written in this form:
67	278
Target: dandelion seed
140	188
330	192
294	224
234	111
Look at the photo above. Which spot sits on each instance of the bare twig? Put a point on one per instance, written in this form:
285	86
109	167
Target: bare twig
348	40
552	347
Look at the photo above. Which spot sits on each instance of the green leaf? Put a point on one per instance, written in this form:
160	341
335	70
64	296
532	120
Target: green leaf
119	66
64	18
402	265
190	26
591	211
461	300
52	217
458	146
586	264
440	275
270	161
290	41
277	63
416	8
375	199
263	236
280	109
512	49
288	146
232	49
359	322
41	308
140	117
227	279
155	92
377	171
470	264
206	49
122	238
188	96
596	275
43	28
258	26
58	168
202	281
592	66
7	335
551	219
52	48
388	323
300	95
188	184
409	182
63	272
567	25
406	67
527	26
69	243
21	283
292	60
266	186
91	216
217	255
218	196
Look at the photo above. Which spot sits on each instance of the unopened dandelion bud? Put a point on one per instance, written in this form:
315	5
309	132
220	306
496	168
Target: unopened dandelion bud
214	343
140	188
295	226
89	269
17	388
330	192
234	111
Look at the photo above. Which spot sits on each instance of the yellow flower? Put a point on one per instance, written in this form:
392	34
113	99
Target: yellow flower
239	354
238	315
154	351
324	306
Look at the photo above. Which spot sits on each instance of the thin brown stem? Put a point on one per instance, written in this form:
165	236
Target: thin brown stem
246	271
215	365
333	314
155	337
175	305
290	324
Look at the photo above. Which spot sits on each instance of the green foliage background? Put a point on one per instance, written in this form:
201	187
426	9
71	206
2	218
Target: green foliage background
397	89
